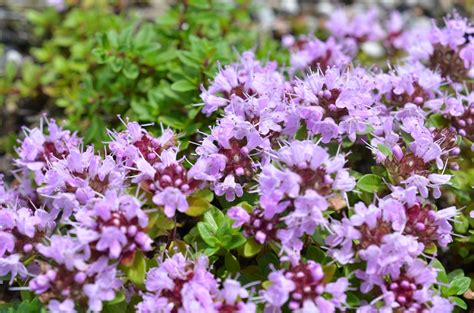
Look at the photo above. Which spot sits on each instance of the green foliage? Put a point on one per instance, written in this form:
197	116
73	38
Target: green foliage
25	306
251	248
136	271
370	183
95	64
217	232
199	202
154	71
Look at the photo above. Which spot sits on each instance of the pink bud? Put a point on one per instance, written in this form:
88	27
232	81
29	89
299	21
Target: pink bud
397	152
27	248
80	277
132	230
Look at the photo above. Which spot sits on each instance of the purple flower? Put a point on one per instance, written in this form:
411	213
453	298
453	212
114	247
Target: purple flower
290	141
179	284
7	243
168	180
371	226
278	293
14	266
229	188
422	183
304	219
111	239
113	226
65	251
79	178
308	53
38	148
452	39
135	143
237	83
337	104
410	83
95	282
67	306
232	295
409	288
225	160
306	167
428	225
361	27
239	215
102	289
453	34
303	286
467	55
172	199
295	191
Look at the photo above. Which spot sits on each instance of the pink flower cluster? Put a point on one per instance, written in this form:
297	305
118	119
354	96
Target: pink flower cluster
286	160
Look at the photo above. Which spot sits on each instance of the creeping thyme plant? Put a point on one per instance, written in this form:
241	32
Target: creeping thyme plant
92	63
317	185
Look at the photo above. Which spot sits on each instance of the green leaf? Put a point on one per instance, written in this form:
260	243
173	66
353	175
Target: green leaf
172	122
125	36
35	17
211	250
26	295
197	206
166	56
329	271
458	286
352	299
459	302
117	64
199	203
224	229
455	274
462	224
251	248
201	4
267	261
189	59
117	305
207	233
144	36
131	70
96	130
231	263
370	183
431	249
10	71
442	276
28	306
183	86
159	224
437	120
235	242
140	108
112	38
214	217
136	272
266	284
384	149
99	53
246	206
316	254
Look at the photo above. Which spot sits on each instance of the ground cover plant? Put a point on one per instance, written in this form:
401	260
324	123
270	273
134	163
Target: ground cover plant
324	184
92	63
